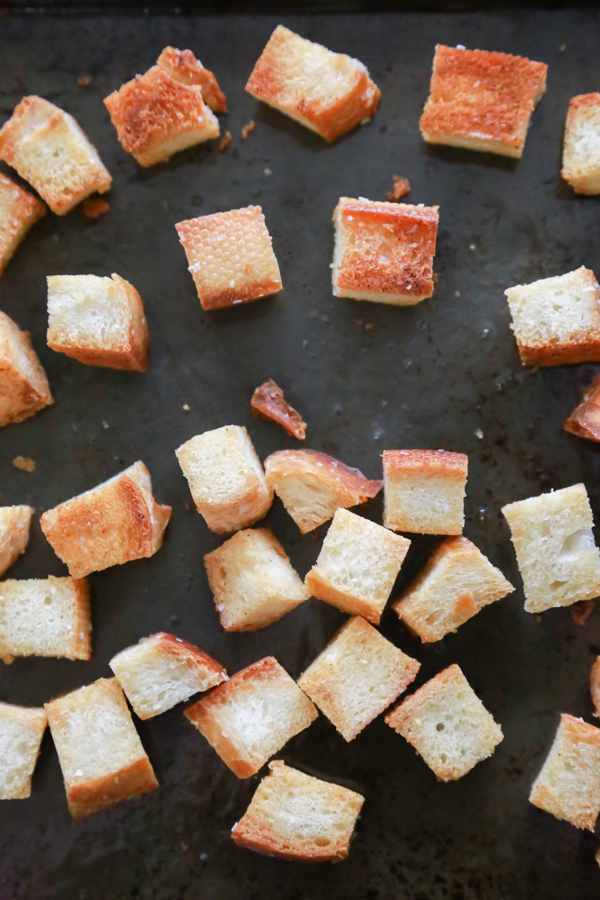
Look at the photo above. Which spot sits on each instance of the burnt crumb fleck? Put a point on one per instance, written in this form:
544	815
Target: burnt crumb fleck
84	81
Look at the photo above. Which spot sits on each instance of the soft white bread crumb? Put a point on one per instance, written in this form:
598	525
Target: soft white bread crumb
19	210
424	491
183	66
14	533
21	732
595	686
24	388
581	147
584	421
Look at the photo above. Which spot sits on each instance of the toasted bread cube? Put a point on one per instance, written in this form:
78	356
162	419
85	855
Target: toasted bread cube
581	147
482	101
357	676
14	533
357	566
19	210
99	321
21	732
296	816
252	716
108	525
424	491
24	388
556	553
384	251
230	256
183	66
584	421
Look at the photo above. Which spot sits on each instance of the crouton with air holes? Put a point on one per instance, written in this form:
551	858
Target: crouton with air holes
252	716
15	522
327	92
21	732
581	147
556	553
424	491
24	388
19	210
584	421
296	816
113	523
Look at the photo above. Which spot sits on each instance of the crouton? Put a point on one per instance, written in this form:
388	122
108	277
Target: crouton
24	388
424	491
183	66
482	101
595	686
49	150
384	251
327	92
584	421
357	566
457	582
100	753
252	716
357	676
296	816
230	256
268	401
19	210
556	553
21	732
160	671
113	523
99	321
447	724
14	533
581	147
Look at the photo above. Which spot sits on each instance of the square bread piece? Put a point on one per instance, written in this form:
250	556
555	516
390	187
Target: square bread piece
357	676
482	101
160	671
108	525
253	581
554	542
424	491
100	753
21	732
99	321
581	147
584	421
24	388
49	150
252	716
226	478
230	256
457	582
183	66
296	816
15	522
357	566
19	210
447	724
327	92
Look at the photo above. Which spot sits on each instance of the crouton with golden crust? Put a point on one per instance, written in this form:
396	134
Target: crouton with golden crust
584	421
183	66
581	147
21	732
269	403
19	210
424	491
15	522
24	388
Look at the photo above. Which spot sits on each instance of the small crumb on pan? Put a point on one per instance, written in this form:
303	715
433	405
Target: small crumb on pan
94	208
400	189
225	142
248	129
25	463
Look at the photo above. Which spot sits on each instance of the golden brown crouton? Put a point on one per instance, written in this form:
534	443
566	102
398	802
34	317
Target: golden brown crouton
268	401
21	732
19	210
424	491
183	66
581	148
584	421
24	388
14	533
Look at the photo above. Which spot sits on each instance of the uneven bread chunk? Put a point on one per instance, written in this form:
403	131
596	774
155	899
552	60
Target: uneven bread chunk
14	533
183	66
19	210
595	686
424	491
268	401
327	92
296	816
584	421
24	388
581	147
21	732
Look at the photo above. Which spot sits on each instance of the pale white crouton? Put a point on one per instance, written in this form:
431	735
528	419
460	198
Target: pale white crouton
14	533
24	388
19	210
581	147
424	491
21	732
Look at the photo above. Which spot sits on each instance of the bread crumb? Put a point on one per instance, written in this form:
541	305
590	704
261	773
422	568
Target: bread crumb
84	81
369	326
471	246
400	189
479	434
105	425
184	846
268	171
269	403
186	407
457	293
225	142
562	48
580	612
94	208
248	129
25	463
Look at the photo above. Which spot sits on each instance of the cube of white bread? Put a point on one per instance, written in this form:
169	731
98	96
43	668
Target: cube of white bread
253	581
357	676
384	251
581	146
297	816
226	478
21	732
327	92
481	100
457	582
554	542
312	485
584	421
100	753
252	716
183	66
24	388
19	210
447	724
230	256
595	686
99	321
357	566
424	491
49	150
113	523
15	522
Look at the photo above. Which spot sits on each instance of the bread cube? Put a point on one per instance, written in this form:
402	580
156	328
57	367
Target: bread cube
24	388
108	525
100	753
327	92
357	566
183	66
584	421
268	402
357	676
424	491
556	553
49	150
447	724
296	816
19	210
230	256
482	101
581	147
384	251
14	533
21	732
252	716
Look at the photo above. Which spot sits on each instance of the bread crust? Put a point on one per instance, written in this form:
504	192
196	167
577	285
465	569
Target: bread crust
583	178
584	421
183	66
19	210
24	388
269	403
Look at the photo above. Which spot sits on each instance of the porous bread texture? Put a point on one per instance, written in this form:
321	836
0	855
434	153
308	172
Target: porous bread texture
183	66
595	686
253	581
457	582
554	542
21	732
24	388
357	676
230	256
327	92
15	522
49	150
226	478
424	491
584	421
581	147
357	566
101	756
252	716
113	523
447	724
19	210
297	816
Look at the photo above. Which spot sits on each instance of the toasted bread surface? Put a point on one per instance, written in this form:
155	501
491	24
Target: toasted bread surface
424	491
19	210
24	388
183	66
581	147
15	522
21	732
